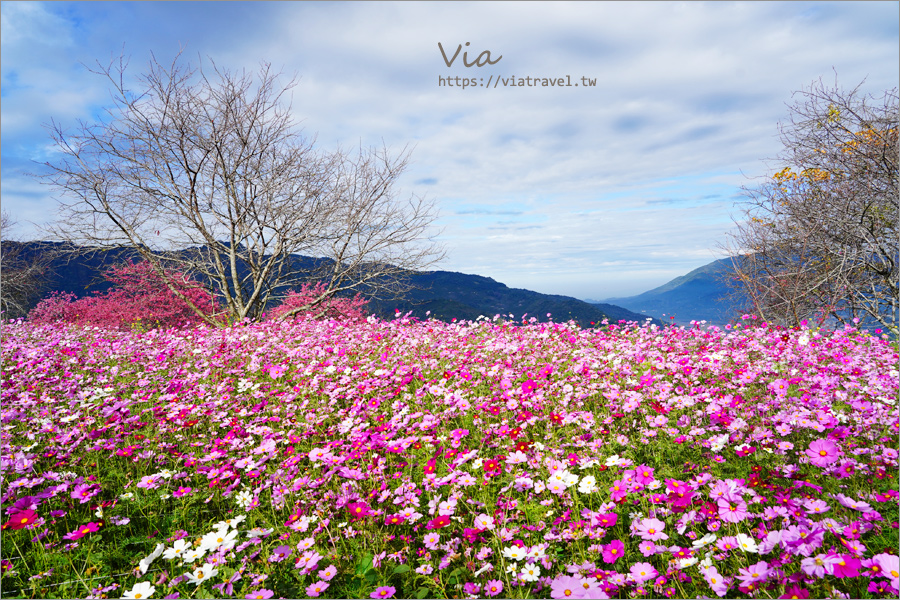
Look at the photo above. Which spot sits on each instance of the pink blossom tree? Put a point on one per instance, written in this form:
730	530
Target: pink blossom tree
333	307
139	297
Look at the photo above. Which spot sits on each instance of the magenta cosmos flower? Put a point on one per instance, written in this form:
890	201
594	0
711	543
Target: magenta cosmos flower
383	592
493	587
613	551
822	453
21	519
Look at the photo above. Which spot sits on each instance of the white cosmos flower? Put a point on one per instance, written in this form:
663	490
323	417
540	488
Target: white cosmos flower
747	543
145	563
141	590
192	555
179	547
530	573
220	538
201	574
232	522
513	553
588	485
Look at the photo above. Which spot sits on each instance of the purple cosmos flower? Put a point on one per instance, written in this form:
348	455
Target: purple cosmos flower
260	594
227	588
754	573
84	492
383	592
280	553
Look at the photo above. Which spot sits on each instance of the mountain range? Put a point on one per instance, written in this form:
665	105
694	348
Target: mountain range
702	294
443	295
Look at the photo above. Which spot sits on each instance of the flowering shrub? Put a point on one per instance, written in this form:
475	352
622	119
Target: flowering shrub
333	308
139	297
371	459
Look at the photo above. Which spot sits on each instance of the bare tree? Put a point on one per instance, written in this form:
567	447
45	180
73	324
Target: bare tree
820	239
22	275
206	173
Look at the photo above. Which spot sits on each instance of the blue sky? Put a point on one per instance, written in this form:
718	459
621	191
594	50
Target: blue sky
592	192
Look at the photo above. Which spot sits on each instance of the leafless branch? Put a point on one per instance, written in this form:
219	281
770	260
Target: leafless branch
205	171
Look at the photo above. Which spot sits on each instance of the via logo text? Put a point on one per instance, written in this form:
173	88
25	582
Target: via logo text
483	59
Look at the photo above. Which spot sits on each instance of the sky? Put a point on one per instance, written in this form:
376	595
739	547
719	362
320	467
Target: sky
593	191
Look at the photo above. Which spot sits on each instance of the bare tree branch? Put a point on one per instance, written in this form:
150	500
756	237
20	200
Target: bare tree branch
211	161
820	238
22	277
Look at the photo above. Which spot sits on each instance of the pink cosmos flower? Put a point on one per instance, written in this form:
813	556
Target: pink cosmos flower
358	510
566	586
21	519
642	572
618	490
651	529
149	482
847	566
715	580
383	592
329	573
431	540
82	531
822	453
820	565
84	492
732	512
260	595
314	590
648	548
795	592
890	567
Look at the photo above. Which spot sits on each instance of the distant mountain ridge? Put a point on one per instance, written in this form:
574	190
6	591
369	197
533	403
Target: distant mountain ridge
446	295
699	295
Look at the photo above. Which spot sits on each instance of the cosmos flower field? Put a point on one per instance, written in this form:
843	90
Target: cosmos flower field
400	458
